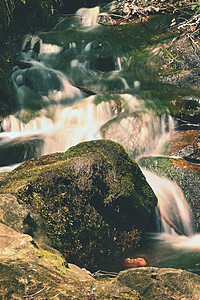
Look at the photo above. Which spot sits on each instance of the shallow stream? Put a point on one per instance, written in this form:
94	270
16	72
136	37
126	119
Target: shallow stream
83	81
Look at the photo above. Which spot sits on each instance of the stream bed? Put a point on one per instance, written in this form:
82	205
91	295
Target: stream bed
84	81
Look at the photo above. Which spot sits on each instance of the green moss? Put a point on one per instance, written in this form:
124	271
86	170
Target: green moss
93	199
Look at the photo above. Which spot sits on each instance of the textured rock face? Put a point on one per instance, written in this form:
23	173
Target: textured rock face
93	199
162	284
27	271
20	218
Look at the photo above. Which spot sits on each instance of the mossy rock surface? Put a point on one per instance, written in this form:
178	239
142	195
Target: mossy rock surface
184	173
30	272
162	284
93	199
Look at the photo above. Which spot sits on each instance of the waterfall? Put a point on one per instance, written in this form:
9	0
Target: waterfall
89	16
174	211
62	127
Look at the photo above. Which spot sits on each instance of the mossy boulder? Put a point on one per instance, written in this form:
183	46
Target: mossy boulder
184	173
93	199
28	271
162	284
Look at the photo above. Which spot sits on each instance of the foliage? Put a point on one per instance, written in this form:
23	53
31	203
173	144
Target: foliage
196	7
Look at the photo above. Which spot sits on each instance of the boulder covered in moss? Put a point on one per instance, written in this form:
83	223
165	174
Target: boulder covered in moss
184	173
93	199
164	283
27	271
31	272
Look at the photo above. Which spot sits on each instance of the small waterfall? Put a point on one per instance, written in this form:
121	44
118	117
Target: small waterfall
174	211
89	16
62	127
140	132
31	47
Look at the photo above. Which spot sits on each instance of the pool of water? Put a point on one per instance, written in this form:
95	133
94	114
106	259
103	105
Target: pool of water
165	251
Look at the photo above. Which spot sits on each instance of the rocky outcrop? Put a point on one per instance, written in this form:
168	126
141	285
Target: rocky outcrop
93	199
29	271
162	284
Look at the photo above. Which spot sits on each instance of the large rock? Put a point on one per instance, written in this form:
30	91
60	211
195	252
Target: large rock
31	272
162	284
17	151
184	173
93	199
27	271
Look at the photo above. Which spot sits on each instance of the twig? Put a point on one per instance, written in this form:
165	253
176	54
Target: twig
55	295
194	44
32	295
104	273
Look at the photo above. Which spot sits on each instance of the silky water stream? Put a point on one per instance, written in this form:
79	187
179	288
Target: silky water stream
82	81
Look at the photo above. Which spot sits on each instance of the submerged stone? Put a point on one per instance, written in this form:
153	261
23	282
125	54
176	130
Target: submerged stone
93	199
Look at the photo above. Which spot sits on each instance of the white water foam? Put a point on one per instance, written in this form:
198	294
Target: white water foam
172	204
89	16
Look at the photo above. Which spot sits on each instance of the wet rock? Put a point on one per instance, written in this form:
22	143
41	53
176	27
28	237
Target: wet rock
184	173
26	270
180	65
187	111
18	151
43	81
184	144
102	58
164	283
137	132
93	199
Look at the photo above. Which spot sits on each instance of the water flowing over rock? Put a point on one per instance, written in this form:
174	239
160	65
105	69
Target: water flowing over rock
93	199
185	174
89	16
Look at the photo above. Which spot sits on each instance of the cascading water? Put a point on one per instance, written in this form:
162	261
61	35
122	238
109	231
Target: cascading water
53	108
174	211
89	16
